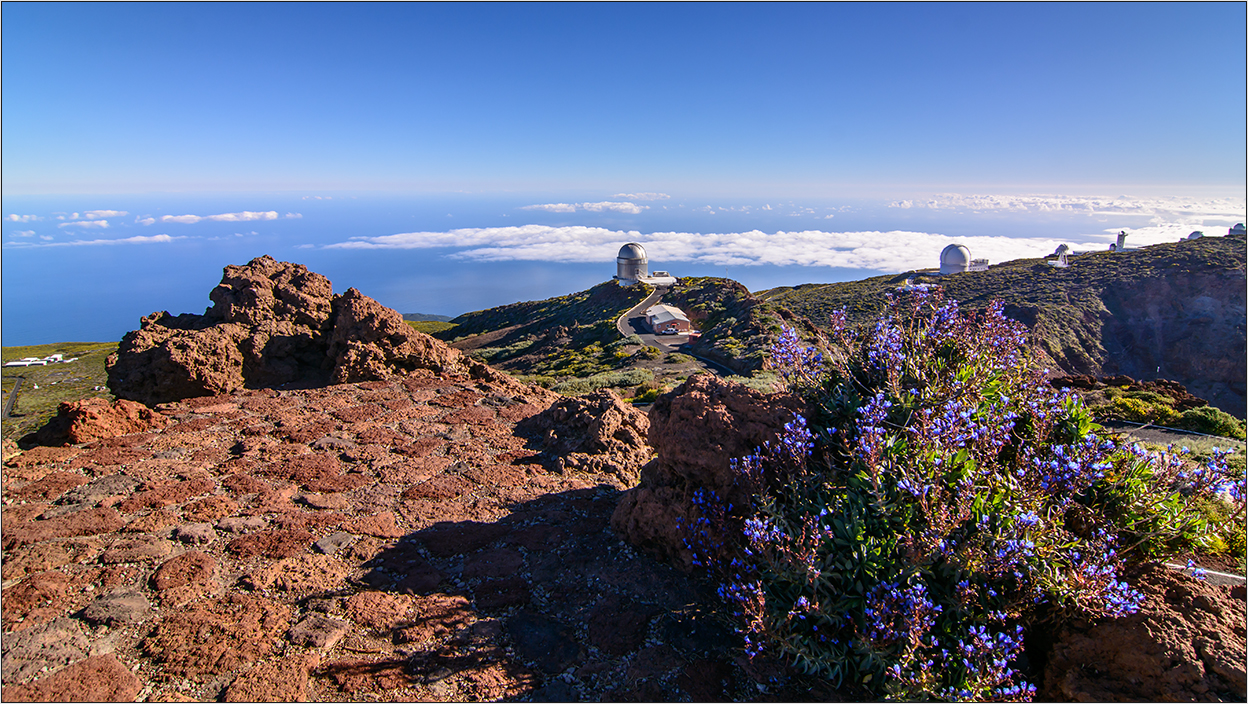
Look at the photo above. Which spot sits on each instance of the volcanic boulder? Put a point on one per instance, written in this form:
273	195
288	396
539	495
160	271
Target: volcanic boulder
696	429
596	433
94	419
271	324
371	341
1185	644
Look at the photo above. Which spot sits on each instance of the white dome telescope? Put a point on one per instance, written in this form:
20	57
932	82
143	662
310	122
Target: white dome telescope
631	263
955	259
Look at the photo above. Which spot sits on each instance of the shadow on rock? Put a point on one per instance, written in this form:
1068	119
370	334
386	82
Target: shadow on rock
547	604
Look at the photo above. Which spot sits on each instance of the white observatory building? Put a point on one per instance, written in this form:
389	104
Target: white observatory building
956	259
631	266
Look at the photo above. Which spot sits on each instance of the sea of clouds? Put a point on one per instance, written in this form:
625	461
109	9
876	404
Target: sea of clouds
1153	220
1162	220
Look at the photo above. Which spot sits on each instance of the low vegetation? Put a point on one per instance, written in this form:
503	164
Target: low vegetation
43	388
942	501
571	343
431	327
1064	308
737	328
1151	407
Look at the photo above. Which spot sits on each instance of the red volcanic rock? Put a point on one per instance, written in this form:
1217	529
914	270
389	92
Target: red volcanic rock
371	341
189	568
1186	643
273	324
94	419
267	327
97	679
218	636
596	432
696	429
284	680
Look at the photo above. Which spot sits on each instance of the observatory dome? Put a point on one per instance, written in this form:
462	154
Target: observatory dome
955	259
631	264
632	250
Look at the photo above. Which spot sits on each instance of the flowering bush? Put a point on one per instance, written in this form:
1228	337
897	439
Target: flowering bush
942	499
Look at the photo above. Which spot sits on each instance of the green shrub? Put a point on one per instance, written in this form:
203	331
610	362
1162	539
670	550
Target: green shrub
943	499
678	358
1151	397
625	342
429	327
767	382
584	385
649	352
1211	421
646	396
499	354
1137	411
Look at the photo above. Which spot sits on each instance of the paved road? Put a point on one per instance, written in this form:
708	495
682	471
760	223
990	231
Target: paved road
8	402
634	323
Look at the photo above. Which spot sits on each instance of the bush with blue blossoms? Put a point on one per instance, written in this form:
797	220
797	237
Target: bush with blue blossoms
941	500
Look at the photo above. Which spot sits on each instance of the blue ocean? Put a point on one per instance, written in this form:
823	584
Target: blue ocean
87	268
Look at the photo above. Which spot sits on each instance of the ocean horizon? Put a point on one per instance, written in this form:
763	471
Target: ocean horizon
88	267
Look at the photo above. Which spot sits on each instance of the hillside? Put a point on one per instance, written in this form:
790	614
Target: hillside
571	344
1170	311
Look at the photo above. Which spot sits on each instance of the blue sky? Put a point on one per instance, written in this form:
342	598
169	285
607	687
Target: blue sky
449	158
700	99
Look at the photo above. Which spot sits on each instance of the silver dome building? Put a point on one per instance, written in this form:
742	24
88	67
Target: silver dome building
631	264
955	259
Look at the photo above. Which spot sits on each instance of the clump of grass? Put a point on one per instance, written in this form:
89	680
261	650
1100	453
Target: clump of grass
585	385
431	327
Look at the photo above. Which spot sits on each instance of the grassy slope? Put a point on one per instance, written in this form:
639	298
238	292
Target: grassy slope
1064	307
56	382
737	327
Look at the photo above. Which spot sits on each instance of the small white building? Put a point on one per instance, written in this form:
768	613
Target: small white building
666	320
956	259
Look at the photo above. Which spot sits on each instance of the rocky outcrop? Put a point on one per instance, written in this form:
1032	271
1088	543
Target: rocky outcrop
272	324
1186	643
593	433
373	541
695	430
94	419
1186	327
371	341
1182	399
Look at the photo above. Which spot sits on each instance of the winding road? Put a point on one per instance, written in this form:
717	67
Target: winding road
633	322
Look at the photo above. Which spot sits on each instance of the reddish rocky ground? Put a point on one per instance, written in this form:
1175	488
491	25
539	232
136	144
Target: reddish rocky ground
393	540
417	539
434	530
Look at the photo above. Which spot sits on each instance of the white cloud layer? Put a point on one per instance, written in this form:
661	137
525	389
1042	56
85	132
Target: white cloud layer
14	217
878	251
603	207
102	224
1166	207
24	233
641	196
137	239
101	214
244	216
